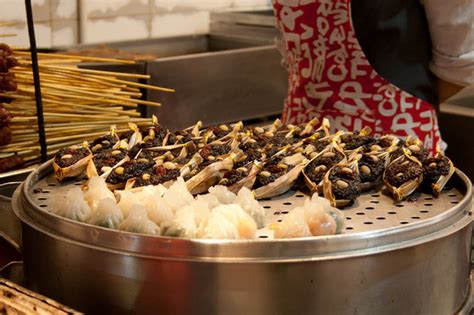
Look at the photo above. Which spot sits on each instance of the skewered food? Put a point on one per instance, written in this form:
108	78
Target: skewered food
8	62
10	162
5	116
7	82
5	135
78	104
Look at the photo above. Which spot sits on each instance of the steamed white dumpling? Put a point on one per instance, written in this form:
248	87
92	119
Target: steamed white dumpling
319	221
219	227
335	213
106	214
138	222
74	207
293	225
202	210
178	196
146	193
183	225
211	200
223	194
159	210
97	190
246	200
127	200
234	214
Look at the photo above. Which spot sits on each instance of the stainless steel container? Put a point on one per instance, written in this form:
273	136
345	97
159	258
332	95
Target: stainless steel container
406	258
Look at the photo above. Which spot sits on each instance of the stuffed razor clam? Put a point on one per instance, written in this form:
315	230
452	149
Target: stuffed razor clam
160	174
243	176
403	175
414	146
71	162
211	171
278	175
341	184
308	128
101	163
136	136
224	131
382	144
313	145
105	142
119	176
437	171
353	140
315	170
417	149
371	168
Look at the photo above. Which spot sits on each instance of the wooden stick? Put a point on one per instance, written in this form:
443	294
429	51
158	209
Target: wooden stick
140	85
114	97
83	58
100	72
8	23
27	62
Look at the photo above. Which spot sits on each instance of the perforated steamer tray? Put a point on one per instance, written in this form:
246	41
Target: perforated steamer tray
373	210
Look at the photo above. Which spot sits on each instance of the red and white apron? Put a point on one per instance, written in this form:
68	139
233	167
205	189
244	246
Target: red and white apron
329	76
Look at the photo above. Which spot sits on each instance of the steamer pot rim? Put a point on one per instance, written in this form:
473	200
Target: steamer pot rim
178	248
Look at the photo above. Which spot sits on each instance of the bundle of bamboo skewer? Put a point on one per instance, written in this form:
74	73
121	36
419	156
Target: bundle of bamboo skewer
79	104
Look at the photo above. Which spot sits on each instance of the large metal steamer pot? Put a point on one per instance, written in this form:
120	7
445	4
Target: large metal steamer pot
418	268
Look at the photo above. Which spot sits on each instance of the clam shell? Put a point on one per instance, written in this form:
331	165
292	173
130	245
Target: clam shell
209	176
281	185
327	184
192	164
74	170
247	181
400	193
318	187
443	179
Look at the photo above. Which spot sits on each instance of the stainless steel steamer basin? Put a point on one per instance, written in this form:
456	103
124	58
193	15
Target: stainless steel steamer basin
414	261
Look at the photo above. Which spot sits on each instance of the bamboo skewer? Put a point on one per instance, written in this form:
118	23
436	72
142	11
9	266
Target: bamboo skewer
78	104
98	72
82	58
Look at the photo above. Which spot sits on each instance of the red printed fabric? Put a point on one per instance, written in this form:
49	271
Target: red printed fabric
329	76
